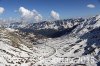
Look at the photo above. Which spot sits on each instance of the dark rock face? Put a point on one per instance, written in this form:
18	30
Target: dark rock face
63	32
93	37
98	64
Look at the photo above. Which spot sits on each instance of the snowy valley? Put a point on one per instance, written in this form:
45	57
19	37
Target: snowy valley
77	45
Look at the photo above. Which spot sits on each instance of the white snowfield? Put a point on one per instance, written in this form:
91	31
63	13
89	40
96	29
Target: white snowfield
68	50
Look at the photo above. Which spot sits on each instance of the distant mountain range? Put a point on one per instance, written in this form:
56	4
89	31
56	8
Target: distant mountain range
47	28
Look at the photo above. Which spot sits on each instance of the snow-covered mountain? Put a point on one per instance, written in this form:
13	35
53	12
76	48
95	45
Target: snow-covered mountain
52	29
57	25
80	47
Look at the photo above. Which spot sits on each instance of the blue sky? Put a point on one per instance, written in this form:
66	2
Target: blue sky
65	8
